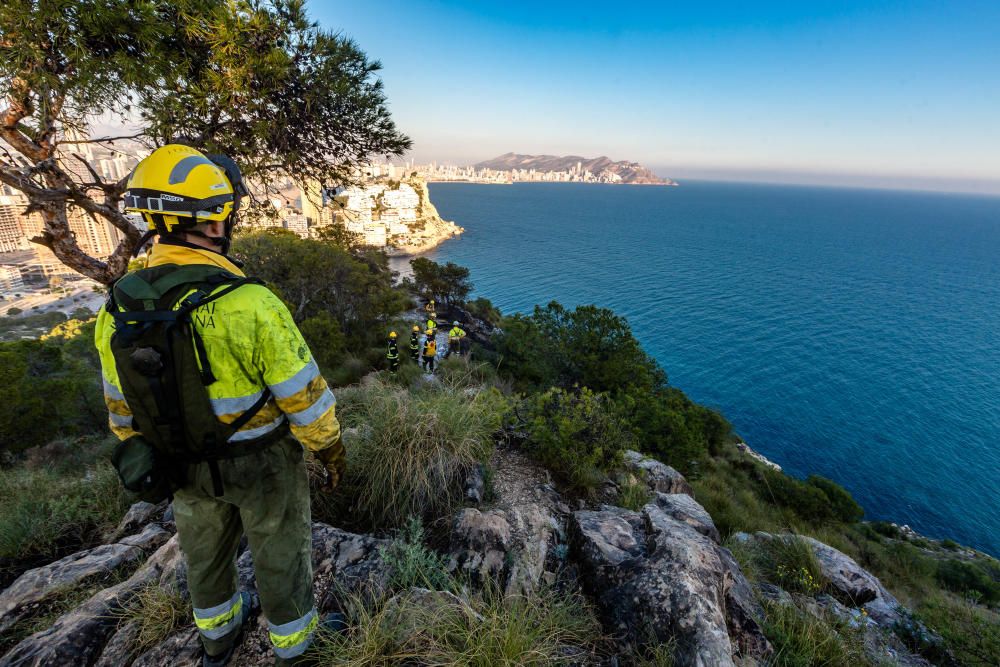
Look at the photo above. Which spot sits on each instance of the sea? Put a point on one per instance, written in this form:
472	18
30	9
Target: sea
849	333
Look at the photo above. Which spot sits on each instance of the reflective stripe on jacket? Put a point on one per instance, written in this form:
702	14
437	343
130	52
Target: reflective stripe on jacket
456	333
252	343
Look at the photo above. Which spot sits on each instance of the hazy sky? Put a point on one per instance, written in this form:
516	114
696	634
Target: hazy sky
877	93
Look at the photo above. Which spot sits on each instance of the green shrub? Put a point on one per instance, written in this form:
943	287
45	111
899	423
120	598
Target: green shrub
587	346
326	340
461	373
492	630
49	512
50	388
349	371
575	435
413	448
411	563
483	309
965	577
843	507
971	633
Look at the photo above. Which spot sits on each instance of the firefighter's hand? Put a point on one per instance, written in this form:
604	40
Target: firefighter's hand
335	462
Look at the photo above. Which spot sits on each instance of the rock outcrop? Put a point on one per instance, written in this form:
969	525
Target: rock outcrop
78	637
515	543
659	476
658	578
36	587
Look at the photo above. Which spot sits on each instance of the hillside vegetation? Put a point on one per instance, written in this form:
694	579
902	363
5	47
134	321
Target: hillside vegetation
556	398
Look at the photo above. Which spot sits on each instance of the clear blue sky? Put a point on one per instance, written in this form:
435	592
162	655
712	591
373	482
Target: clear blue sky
878	93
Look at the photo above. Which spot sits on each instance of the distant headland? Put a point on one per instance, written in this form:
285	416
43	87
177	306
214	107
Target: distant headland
519	168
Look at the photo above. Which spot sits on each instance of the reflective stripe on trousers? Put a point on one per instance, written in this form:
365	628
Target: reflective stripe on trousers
291	639
218	621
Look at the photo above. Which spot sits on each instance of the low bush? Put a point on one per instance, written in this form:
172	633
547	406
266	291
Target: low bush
574	434
412	449
411	563
48	512
971	633
461	373
483	309
492	630
842	505
965	577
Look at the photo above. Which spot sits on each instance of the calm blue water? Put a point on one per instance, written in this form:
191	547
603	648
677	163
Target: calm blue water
854	334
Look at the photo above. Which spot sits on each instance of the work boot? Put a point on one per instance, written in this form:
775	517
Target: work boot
223	659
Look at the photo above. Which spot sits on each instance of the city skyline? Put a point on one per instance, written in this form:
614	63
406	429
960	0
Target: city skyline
887	94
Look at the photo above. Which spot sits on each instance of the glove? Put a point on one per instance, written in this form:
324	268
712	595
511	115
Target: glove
334	459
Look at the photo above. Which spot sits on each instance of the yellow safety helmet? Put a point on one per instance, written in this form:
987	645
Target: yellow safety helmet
180	186
392	334
430	332
416	329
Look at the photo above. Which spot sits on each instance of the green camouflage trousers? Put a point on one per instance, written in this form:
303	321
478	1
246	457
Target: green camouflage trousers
265	495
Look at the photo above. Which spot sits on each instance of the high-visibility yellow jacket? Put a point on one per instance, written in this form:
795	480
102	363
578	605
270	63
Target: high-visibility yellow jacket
456	333
252	343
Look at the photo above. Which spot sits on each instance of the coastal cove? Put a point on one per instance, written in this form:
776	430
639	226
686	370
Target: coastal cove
847	333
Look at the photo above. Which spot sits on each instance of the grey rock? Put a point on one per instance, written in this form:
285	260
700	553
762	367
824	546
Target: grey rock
138	516
774	593
151	538
345	564
656	579
475	485
513	544
743	613
182	649
35	587
659	476
683	507
123	647
855	586
480	542
78	637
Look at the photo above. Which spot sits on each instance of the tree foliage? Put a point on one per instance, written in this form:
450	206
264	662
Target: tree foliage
447	283
48	388
255	79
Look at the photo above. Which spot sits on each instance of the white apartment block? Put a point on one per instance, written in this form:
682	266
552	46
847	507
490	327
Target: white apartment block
375	234
10	280
298	223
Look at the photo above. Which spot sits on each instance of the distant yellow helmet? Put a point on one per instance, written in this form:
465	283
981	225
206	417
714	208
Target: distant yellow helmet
181	186
392	334
430	332
416	329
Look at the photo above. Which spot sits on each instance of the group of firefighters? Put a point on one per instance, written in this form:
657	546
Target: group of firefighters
423	349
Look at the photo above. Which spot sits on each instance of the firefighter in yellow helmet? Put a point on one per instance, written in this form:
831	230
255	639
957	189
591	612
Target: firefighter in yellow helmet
415	343
392	353
429	351
456	339
216	396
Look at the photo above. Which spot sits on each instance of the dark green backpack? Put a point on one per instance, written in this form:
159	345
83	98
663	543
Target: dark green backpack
164	371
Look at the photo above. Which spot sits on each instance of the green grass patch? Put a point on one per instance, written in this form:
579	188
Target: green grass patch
971	633
49	512
493	630
803	640
158	612
634	494
411	450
